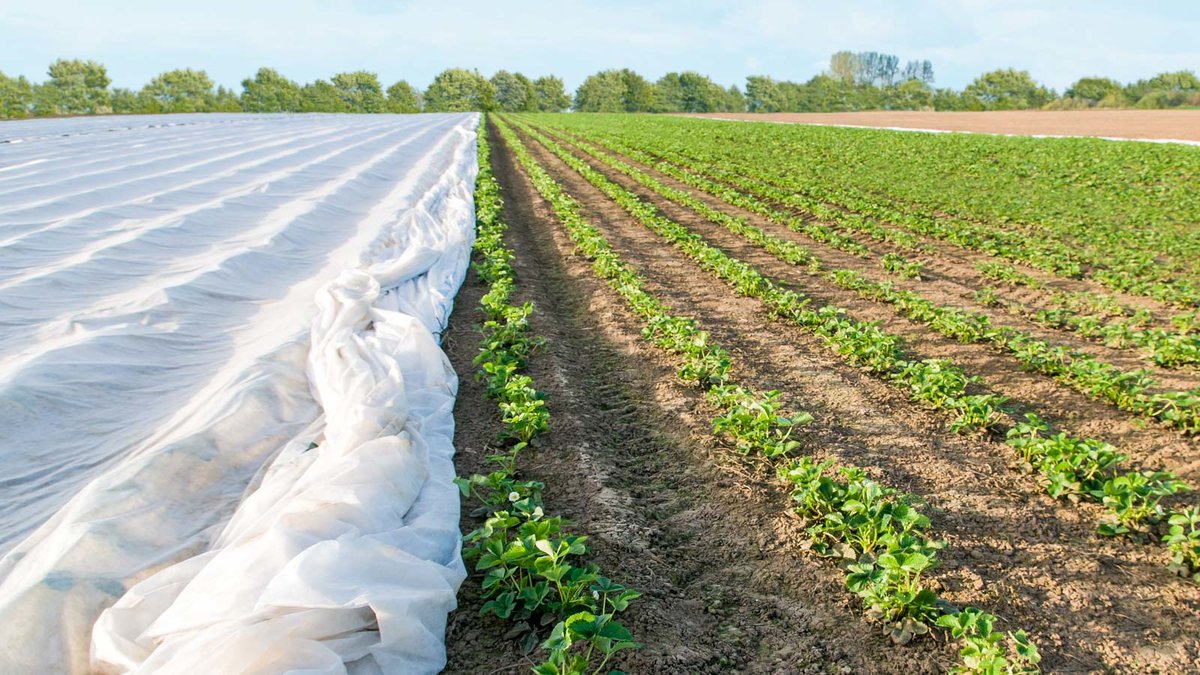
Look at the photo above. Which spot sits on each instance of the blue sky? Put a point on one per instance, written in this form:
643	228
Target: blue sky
1057	41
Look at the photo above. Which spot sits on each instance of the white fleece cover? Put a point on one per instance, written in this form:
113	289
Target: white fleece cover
226	420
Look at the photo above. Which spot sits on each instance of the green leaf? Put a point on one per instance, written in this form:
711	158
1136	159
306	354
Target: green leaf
615	631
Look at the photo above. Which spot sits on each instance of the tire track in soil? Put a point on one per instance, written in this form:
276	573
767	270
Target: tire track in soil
1149	444
1091	603
631	461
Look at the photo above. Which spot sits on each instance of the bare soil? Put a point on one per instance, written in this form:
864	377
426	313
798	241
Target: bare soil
1133	124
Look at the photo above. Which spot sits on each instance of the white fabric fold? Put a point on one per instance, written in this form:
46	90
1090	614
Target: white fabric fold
340	551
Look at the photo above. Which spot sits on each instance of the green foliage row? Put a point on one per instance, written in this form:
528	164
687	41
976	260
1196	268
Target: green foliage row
1112	212
936	383
531	565
1167	348
1164	347
1132	391
1076	469
752	420
880	538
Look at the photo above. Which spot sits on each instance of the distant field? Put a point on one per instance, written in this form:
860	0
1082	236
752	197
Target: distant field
1155	124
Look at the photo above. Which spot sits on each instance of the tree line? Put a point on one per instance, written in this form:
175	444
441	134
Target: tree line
853	81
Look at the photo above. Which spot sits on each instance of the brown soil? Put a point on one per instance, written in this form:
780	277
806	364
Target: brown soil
1155	124
706	538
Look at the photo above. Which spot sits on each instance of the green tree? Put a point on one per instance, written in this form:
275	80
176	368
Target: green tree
514	92
360	91
75	87
1181	80
1155	100
225	100
460	90
764	95
844	67
16	97
824	94
268	91
321	96
125	101
550	94
1092	90
735	100
639	95
601	92
402	97
911	94
948	99
690	91
1164	90
616	91
1007	89
183	90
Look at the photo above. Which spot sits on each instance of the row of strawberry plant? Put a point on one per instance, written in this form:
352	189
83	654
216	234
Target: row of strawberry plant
1144	256
882	536
752	420
1158	261
531	564
1131	391
1104	319
851	216
1164	347
883	539
1078	469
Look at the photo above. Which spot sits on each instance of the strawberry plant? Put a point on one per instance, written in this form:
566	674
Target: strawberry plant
1134	500
1006	273
988	651
755	422
901	267
1183	541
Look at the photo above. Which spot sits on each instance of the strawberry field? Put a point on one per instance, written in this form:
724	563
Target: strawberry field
776	398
